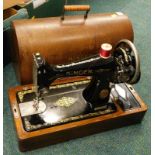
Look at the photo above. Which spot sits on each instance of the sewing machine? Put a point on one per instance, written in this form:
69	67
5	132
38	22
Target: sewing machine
99	97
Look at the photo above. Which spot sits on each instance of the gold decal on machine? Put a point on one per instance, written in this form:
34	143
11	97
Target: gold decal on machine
79	72
65	101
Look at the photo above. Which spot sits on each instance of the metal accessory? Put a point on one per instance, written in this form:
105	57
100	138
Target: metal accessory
28	108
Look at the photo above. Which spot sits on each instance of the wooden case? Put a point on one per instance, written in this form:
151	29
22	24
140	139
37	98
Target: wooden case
63	41
52	135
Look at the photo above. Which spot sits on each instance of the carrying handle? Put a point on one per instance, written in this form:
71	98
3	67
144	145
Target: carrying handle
76	8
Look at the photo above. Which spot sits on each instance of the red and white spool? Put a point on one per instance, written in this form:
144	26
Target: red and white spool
105	51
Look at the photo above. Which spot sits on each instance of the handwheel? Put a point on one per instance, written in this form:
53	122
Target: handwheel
131	57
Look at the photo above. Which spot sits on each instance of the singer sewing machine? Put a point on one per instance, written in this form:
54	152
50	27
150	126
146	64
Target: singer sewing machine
77	99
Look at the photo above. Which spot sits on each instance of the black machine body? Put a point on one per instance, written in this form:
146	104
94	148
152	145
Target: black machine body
122	66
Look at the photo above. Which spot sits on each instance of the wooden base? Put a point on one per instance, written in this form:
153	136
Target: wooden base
52	135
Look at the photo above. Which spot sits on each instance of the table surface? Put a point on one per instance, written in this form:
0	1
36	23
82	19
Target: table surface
131	140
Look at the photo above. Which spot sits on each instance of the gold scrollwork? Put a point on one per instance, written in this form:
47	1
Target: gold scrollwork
22	93
65	101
